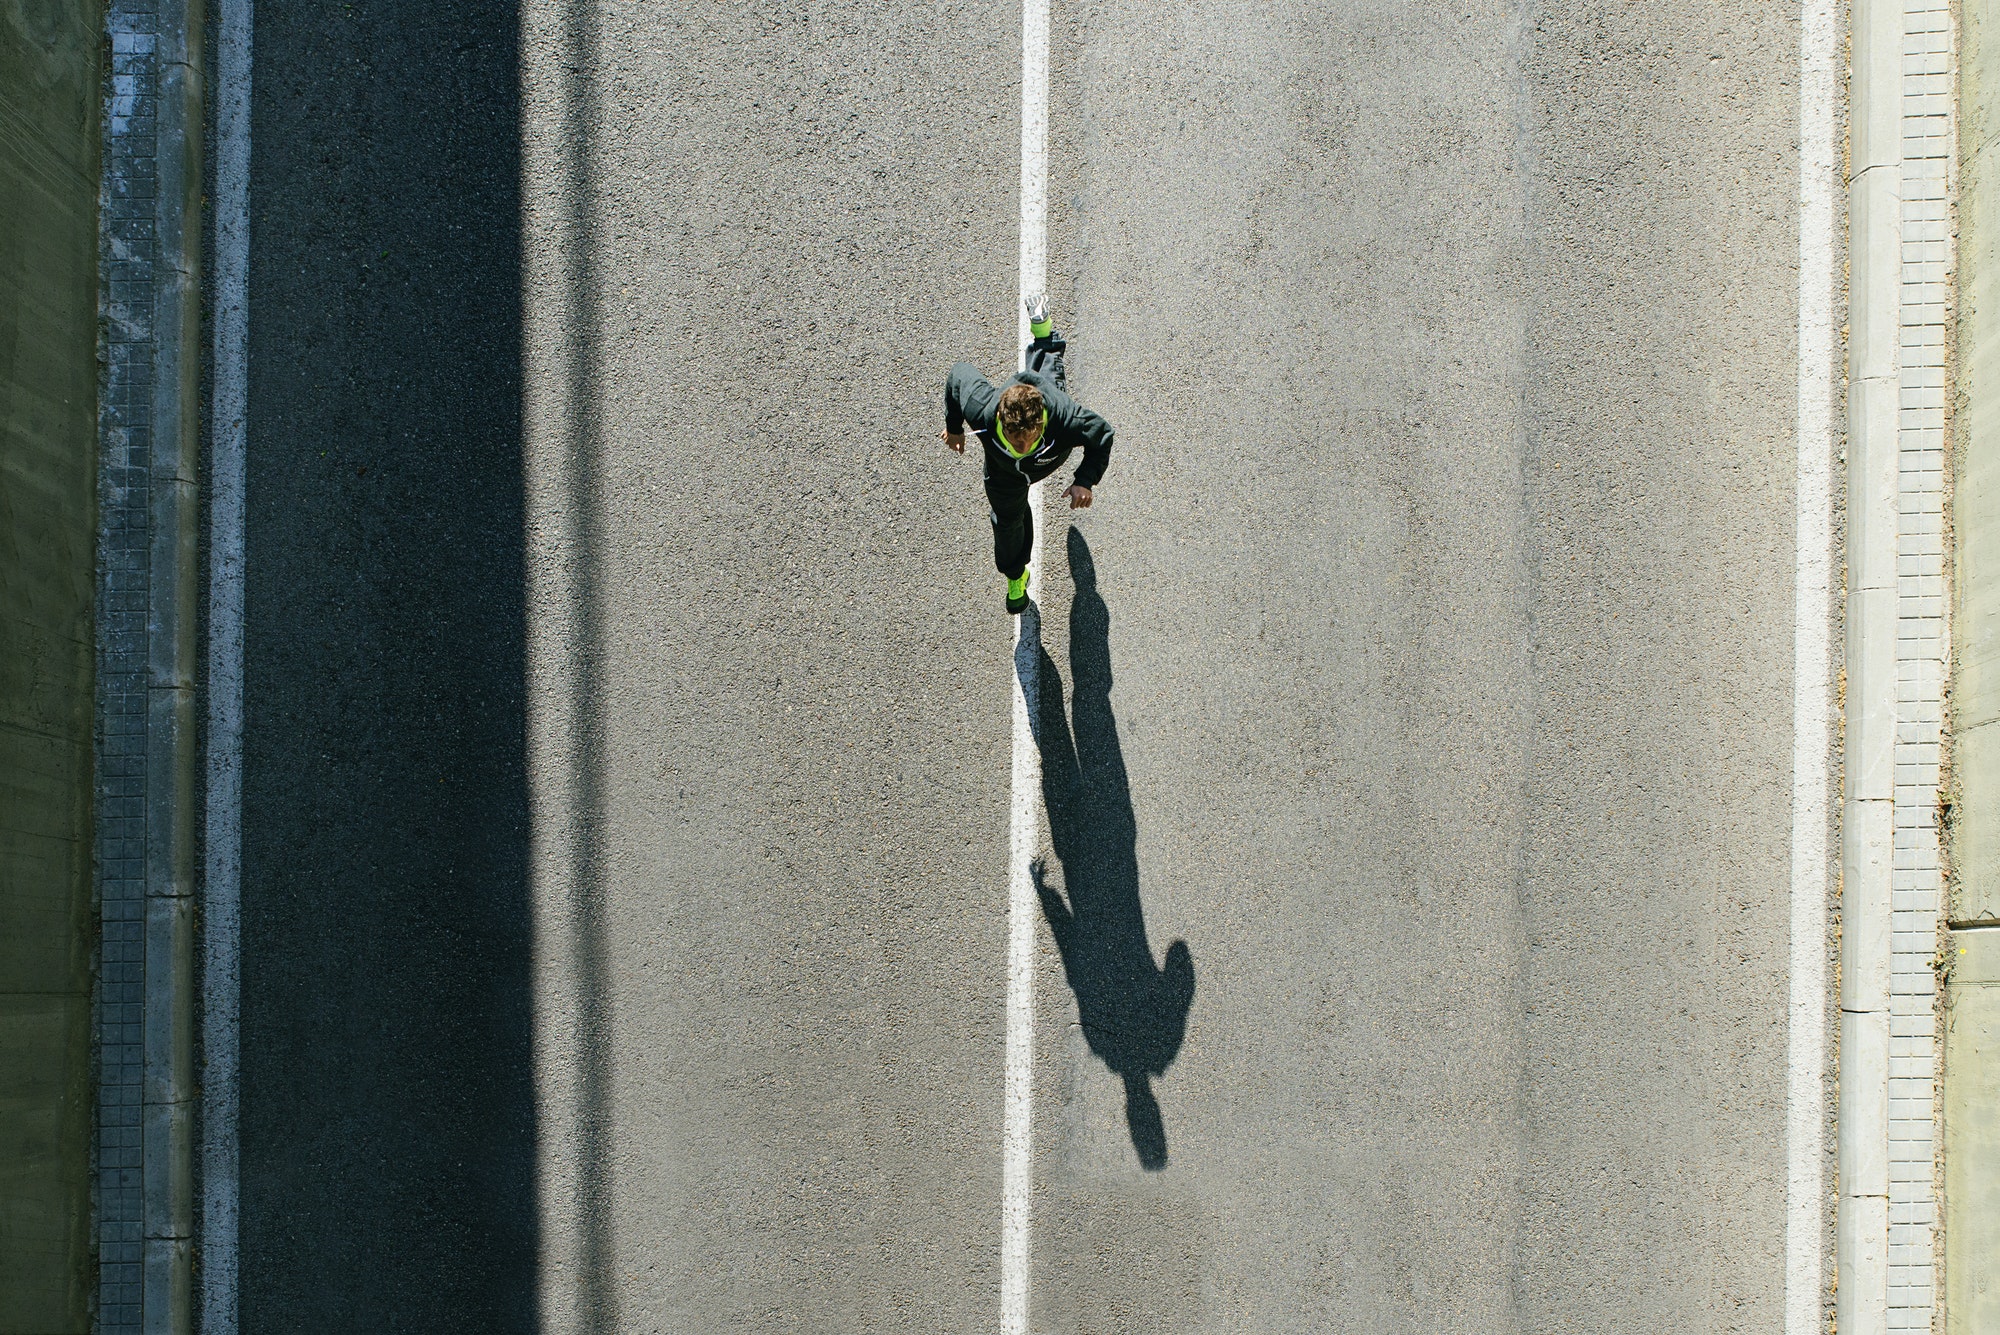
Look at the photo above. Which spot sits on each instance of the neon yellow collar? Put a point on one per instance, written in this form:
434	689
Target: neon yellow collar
1001	432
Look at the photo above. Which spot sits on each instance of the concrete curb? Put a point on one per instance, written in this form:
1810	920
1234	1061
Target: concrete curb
1868	824
222	787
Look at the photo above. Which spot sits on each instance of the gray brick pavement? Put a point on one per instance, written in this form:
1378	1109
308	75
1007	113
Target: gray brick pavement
1922	639
143	811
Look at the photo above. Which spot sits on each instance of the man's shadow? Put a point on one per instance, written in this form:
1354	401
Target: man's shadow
1134	1013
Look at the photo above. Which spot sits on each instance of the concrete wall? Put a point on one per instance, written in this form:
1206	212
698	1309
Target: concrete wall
1976	499
49	97
1972	1014
1972	1158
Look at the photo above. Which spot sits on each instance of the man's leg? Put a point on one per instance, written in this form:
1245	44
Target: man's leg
1045	354
1013	530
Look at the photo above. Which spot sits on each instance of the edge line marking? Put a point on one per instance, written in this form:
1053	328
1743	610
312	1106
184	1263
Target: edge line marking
1017	1134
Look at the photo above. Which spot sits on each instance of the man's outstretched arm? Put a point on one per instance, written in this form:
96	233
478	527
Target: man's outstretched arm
1097	441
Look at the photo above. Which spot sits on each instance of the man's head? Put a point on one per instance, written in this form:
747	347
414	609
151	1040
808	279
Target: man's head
1021	412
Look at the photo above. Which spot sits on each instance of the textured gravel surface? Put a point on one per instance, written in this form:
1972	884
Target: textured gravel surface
628	760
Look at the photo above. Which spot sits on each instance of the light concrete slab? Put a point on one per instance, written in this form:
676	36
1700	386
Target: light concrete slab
1972	1133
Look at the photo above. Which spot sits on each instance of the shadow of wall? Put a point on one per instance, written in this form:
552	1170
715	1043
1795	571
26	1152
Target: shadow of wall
388	1128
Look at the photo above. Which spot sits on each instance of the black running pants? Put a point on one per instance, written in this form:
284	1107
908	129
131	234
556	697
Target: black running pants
1007	493
1013	526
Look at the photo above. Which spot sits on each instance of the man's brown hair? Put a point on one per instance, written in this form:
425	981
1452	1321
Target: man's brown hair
1020	412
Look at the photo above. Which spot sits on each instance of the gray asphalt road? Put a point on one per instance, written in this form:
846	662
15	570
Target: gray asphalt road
1446	571
772	780
628	769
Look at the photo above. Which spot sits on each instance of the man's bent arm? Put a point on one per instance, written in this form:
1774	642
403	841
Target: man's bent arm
1097	439
963	394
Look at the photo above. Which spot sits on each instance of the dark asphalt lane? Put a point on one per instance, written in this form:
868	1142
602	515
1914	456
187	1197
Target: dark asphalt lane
388	1117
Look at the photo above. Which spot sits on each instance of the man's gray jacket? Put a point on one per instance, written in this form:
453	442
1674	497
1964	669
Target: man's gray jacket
970	399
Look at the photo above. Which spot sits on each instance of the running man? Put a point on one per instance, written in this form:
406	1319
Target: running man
1027	429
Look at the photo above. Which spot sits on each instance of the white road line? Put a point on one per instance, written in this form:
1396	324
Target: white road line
222	876
1017	1135
1812	684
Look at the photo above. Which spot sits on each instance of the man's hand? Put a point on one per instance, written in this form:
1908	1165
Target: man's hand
956	440
1079	497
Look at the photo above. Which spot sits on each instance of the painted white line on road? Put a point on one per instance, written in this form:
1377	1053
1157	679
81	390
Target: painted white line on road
1017	1134
1017	1137
1812	684
222	876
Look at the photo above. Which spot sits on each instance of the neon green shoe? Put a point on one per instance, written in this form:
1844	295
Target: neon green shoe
1017	594
1038	315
